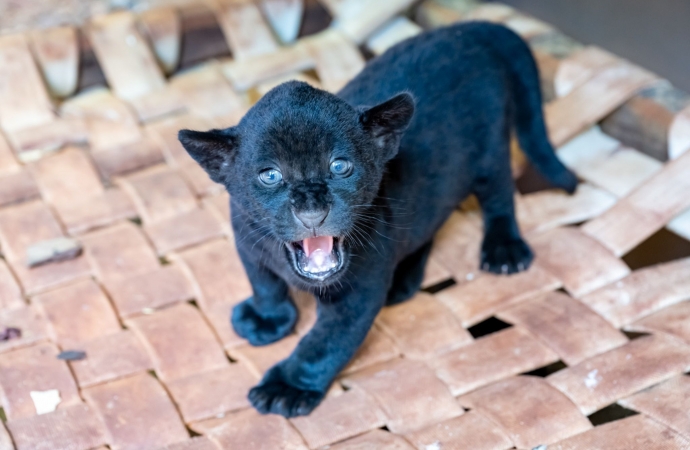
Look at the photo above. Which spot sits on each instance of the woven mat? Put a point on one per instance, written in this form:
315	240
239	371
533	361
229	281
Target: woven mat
482	362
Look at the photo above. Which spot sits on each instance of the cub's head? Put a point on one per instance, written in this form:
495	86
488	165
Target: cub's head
305	165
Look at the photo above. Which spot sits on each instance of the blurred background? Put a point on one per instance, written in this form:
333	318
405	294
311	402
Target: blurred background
654	34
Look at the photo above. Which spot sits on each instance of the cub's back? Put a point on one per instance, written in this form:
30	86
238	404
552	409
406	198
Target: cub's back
459	83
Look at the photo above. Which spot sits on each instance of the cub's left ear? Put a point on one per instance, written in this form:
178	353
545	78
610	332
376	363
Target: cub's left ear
387	121
213	150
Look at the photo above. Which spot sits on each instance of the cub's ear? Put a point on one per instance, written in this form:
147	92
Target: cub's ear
213	150
387	121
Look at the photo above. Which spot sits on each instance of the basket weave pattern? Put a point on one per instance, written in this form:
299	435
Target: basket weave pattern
148	298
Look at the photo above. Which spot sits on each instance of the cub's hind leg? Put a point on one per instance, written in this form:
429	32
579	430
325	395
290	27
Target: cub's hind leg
503	250
409	275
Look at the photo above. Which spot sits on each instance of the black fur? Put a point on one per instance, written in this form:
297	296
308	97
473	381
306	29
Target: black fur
424	125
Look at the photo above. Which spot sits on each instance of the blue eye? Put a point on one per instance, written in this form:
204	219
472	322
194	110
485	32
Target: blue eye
341	167
270	177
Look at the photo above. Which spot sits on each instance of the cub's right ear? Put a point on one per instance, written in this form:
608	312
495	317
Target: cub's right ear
214	150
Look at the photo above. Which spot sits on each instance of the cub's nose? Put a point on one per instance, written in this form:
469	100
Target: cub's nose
311	219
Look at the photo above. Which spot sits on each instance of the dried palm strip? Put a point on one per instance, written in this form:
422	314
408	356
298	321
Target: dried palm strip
250	72
285	16
681	224
358	19
66	176
674	321
667	403
245	29
679	143
206	93
16	186
337	59
477	300
109	121
593	100
587	266
435	272
157	104
531	412
625	434
34	143
580	67
526	26
391	33
457	244
570	328
8	163
431	14
642	293
622	371
24	100
602	161
57	54
163	29
333	6
544	210
679	134
126	59
645	210
491	12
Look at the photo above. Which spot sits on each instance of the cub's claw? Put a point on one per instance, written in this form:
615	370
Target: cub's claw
278	397
506	257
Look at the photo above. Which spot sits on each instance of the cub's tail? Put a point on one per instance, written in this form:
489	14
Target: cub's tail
527	111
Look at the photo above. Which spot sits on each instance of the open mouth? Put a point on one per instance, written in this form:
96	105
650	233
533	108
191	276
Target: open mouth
318	257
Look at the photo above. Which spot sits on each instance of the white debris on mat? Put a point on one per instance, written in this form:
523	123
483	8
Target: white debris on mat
50	250
592	379
435	446
45	401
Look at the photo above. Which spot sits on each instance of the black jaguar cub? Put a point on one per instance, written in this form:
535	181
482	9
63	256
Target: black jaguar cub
341	194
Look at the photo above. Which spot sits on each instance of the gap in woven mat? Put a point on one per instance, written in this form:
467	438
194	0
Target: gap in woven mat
3	416
632	335
136	221
192	433
434	288
90	71
316	18
662	246
164	261
610	413
202	38
488	326
368	54
545	371
531	181
312	73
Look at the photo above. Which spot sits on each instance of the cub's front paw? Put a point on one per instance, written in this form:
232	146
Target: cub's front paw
506	257
278	397
261	329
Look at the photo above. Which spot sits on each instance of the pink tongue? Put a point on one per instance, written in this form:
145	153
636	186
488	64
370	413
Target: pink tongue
323	243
